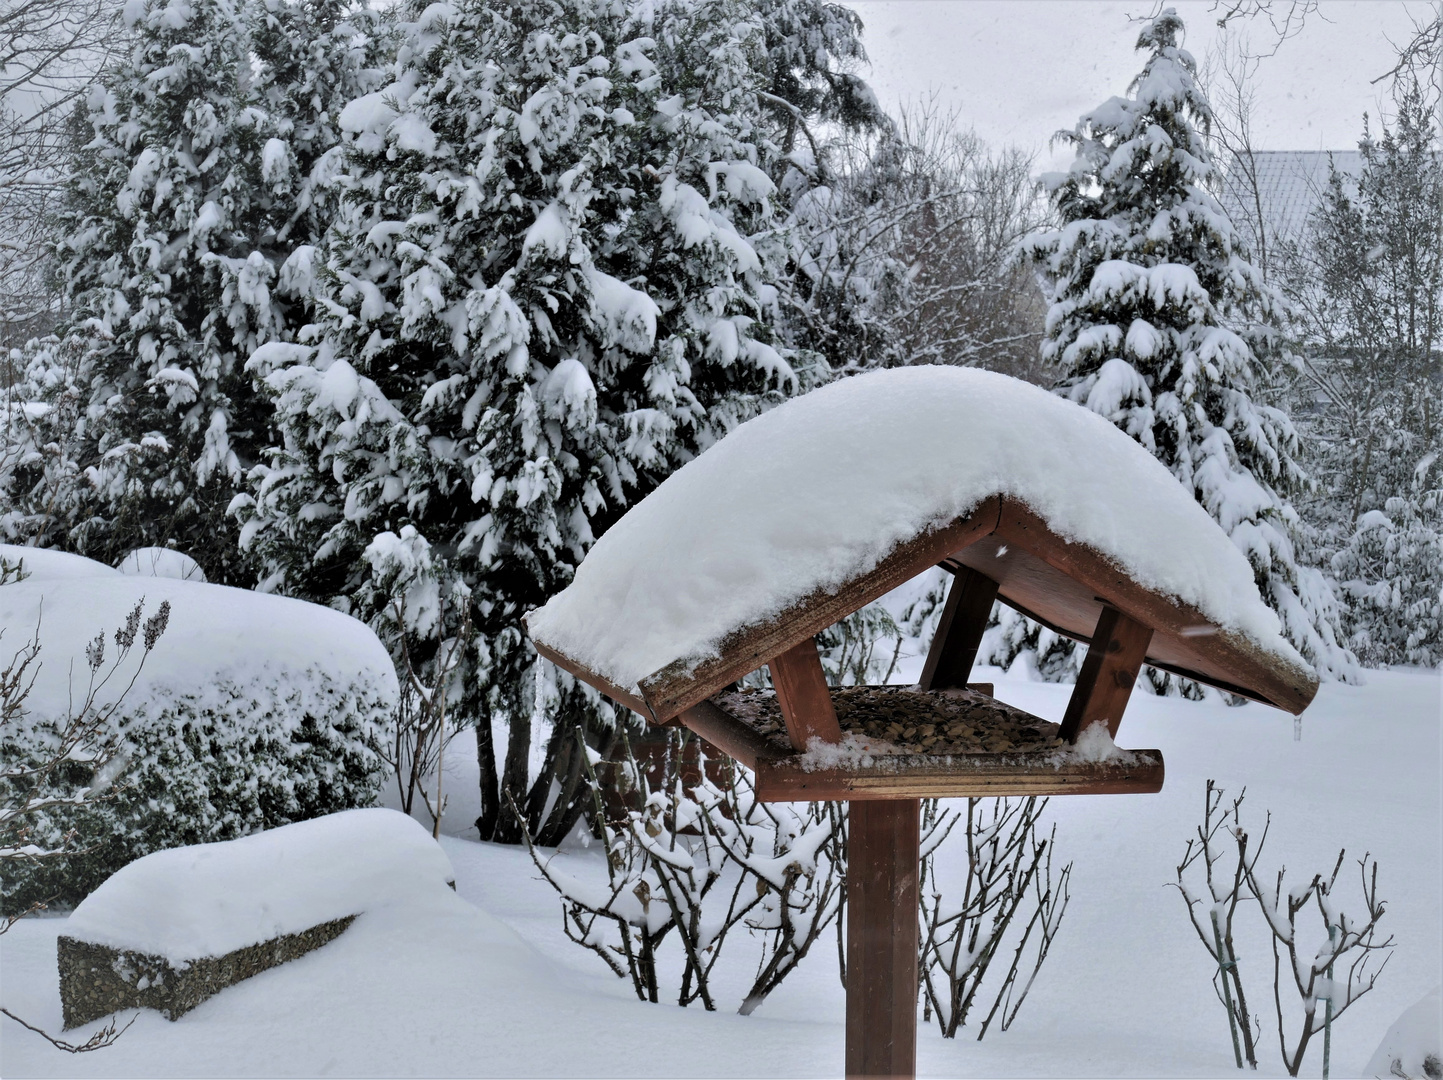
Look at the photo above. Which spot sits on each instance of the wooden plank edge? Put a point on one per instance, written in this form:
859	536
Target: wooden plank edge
1186	673
683	683
1283	684
731	736
987	775
586	675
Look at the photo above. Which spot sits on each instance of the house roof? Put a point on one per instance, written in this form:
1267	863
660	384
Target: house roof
1290	184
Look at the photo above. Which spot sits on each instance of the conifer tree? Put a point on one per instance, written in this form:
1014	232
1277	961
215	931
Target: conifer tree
813	51
1160	323
548	284
188	198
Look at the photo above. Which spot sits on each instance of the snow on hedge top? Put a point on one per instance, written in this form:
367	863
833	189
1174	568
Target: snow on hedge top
44	564
819	490
216	634
211	899
161	562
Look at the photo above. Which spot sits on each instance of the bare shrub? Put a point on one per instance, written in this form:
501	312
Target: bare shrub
1009	888
1350	942
696	861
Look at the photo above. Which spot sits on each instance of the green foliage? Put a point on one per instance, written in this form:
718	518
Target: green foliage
196	182
212	764
1161	323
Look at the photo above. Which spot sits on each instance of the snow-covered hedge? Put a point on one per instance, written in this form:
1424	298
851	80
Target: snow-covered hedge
252	711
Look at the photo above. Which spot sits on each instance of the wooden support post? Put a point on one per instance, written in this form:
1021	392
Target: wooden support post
959	631
1115	656
802	692
882	884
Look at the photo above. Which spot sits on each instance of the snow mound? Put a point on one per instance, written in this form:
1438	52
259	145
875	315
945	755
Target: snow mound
1414	1044
163	563
216	634
819	490
42	564
1095	747
211	899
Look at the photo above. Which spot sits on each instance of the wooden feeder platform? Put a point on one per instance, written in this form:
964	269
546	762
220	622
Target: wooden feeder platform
885	748
905	742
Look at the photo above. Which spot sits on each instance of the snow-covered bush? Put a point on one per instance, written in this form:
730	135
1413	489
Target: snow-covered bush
1161	323
253	711
1391	572
1328	971
68	761
700	859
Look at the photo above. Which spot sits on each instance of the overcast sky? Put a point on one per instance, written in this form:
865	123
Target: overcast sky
1019	71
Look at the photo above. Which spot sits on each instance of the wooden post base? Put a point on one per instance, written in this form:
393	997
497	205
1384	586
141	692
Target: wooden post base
882	884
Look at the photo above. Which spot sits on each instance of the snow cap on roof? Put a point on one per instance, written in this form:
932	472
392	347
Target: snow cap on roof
816	492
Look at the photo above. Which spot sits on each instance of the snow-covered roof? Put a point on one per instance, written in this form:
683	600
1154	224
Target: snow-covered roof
211	899
821	490
1290	186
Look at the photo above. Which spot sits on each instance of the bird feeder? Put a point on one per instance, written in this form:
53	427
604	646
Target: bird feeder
808	513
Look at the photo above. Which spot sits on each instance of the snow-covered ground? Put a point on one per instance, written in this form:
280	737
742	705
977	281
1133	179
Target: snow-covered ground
483	983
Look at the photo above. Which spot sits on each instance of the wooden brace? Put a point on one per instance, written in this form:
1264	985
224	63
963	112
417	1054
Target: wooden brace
959	631
802	692
1115	656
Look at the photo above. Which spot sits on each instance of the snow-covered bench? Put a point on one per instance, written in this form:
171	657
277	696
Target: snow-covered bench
172	929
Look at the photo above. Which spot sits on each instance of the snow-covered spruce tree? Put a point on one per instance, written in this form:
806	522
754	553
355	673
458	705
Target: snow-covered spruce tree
809	71
1160	323
549	283
186	202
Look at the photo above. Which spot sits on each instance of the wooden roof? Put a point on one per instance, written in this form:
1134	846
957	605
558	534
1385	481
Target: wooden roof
1063	585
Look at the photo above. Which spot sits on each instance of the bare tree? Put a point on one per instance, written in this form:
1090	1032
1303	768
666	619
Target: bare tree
1212	905
1422	54
1352	943
1285	18
51	52
1228	77
911	251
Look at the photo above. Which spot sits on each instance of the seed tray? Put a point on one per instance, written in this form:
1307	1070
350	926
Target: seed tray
906	720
